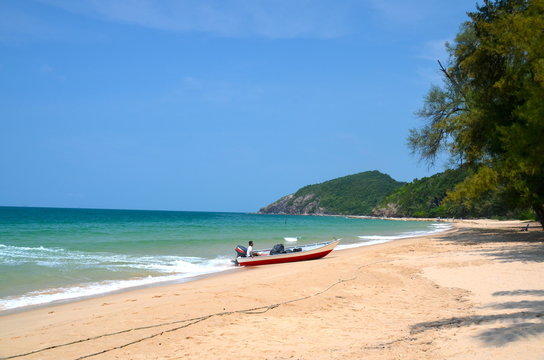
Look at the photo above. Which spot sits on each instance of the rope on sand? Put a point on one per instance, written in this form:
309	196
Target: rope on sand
189	322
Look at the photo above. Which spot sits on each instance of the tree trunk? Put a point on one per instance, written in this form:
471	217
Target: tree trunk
539	211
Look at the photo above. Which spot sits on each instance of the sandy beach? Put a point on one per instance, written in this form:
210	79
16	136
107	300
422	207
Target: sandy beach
476	292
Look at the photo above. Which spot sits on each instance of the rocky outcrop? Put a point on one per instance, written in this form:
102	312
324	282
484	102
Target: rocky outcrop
295	205
389	210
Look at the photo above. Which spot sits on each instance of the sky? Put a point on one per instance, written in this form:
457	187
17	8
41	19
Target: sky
210	105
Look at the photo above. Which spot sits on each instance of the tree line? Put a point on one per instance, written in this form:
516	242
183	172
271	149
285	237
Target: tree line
488	113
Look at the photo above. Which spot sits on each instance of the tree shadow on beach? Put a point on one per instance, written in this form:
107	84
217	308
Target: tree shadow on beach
514	326
505	245
519	292
515	320
502	336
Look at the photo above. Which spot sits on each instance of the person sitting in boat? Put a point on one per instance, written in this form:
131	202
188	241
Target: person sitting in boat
250	252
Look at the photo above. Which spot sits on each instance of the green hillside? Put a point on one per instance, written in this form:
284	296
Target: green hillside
374	193
354	194
422	197
428	197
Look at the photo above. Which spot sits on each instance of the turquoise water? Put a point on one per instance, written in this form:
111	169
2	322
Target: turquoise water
49	254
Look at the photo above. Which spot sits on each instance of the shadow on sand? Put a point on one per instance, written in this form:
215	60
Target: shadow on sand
511	246
512	326
528	321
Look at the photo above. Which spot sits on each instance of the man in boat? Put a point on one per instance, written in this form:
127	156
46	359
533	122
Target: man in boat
250	252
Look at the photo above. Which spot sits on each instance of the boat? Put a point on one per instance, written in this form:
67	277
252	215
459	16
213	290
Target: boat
290	254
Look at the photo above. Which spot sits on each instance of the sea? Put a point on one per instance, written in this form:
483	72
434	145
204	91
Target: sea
50	255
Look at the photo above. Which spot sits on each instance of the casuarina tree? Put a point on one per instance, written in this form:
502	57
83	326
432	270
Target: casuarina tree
489	112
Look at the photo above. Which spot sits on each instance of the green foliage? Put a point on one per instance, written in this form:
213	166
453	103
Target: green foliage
447	194
349	195
422	197
481	195
489	112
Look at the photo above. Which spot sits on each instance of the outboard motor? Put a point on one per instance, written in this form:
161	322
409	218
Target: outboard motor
241	251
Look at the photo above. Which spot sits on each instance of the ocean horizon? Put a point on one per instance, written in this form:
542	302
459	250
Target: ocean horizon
58	254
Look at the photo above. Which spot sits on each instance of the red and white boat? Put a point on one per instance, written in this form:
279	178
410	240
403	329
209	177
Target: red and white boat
295	253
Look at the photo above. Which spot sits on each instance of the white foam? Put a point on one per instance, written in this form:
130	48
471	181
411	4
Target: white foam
53	258
355	245
173	268
185	270
384	237
18	249
380	239
291	239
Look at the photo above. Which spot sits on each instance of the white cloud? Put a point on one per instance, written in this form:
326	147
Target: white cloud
228	18
400	11
435	50
16	23
273	19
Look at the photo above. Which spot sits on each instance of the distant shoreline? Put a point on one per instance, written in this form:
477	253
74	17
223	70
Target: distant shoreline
435	219
370	217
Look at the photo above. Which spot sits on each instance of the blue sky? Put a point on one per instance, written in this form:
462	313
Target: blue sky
210	105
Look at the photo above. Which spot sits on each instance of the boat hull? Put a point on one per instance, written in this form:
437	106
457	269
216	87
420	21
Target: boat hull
290	257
